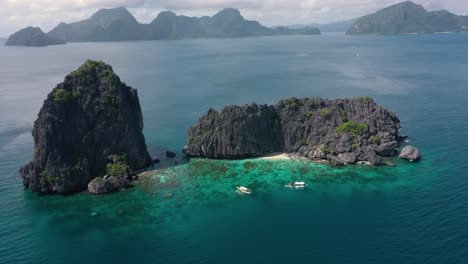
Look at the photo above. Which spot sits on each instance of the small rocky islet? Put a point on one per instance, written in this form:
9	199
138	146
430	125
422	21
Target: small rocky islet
89	125
342	131
88	134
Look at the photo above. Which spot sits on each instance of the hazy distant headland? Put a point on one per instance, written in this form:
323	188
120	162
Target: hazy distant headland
32	37
340	26
118	24
408	18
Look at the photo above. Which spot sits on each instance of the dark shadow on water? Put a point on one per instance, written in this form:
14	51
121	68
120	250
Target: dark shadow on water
164	161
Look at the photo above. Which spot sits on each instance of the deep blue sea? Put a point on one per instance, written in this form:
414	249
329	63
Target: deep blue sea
189	213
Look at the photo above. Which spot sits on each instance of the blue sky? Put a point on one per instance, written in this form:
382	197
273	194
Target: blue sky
16	14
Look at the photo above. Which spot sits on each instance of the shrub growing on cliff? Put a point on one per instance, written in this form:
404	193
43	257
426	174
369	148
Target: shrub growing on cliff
292	103
365	98
46	178
375	139
326	151
61	95
310	114
352	128
118	167
78	91
326	113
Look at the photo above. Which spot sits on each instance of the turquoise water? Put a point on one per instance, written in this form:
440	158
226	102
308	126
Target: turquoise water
413	213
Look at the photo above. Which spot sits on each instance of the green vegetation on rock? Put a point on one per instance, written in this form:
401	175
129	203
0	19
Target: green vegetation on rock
365	98
61	95
292	103
46	178
326	151
375	139
352	128
118	166
326	113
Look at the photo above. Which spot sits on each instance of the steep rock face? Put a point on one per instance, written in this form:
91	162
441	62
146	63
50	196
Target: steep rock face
84	121
236	132
32	37
345	130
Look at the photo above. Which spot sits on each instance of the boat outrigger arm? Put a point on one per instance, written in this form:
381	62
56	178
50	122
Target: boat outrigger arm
243	190
296	185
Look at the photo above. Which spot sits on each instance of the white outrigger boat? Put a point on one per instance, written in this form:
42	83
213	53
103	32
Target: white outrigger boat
241	190
296	185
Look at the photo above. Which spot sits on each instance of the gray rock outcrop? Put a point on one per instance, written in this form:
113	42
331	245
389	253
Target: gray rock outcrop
107	184
85	122
342	131
410	153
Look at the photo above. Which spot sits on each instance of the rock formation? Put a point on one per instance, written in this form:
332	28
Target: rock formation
32	37
410	153
107	184
85	122
342	131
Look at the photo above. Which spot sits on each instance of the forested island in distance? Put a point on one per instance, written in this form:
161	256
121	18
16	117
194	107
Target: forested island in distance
408	18
118	24
339	26
32	36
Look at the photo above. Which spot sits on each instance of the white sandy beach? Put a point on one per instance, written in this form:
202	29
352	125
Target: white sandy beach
280	156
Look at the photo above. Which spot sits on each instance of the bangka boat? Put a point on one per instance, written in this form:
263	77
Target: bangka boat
296	185
243	190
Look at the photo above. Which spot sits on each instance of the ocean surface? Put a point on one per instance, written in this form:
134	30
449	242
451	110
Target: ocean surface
189	213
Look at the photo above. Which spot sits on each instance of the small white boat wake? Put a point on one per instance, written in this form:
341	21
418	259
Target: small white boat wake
296	185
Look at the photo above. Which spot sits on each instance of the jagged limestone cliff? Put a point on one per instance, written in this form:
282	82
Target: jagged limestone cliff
85	122
342	131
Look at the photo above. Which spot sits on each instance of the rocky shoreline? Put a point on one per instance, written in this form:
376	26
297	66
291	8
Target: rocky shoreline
342	131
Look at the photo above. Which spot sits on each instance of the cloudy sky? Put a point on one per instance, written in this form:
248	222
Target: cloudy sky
16	14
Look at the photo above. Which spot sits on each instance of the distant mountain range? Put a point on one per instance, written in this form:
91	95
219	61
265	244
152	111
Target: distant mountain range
340	26
33	37
408	18
118	24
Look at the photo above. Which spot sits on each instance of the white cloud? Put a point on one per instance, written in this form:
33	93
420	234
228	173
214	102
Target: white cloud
16	14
